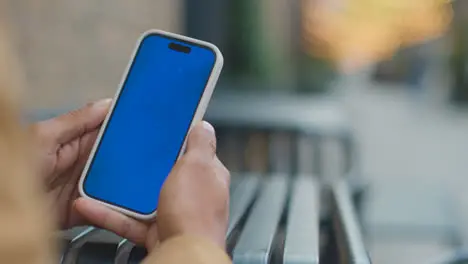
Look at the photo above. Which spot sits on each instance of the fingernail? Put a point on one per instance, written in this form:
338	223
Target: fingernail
103	103
207	126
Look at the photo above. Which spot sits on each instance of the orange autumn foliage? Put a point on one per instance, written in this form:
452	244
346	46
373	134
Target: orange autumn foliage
353	33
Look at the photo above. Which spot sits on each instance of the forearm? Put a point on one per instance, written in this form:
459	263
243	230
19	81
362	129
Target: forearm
24	225
187	249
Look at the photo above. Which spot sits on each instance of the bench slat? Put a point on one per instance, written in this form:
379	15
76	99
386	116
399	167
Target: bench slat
137	255
256	240
281	152
70	253
346	226
97	253
123	251
100	248
241	198
302	232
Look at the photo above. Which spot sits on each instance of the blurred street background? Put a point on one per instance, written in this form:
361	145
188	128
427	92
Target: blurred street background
404	92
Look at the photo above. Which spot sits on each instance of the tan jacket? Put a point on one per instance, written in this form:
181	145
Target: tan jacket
25	225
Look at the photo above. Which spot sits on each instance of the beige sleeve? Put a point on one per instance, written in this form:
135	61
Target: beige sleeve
186	249
25	227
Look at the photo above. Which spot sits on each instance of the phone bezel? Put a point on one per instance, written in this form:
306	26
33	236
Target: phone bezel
197	117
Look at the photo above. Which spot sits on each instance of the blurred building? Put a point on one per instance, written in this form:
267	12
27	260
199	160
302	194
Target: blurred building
258	39
76	51
459	55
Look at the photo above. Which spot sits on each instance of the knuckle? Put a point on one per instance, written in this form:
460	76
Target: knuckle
226	173
73	113
212	144
226	176
200	166
76	113
203	167
125	228
197	161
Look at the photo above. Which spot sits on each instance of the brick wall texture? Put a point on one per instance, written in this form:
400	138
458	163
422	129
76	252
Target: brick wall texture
76	51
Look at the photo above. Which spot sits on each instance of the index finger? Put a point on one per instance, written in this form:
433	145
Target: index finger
106	218
74	124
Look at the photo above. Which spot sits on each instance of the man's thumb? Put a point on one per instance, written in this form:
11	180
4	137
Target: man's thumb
202	140
74	124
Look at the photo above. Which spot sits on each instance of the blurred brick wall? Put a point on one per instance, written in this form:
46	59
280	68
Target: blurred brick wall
74	51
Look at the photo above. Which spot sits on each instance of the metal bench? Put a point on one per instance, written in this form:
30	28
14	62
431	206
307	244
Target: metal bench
296	195
288	134
301	133
274	219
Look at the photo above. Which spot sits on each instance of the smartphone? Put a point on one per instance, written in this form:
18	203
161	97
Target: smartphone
164	92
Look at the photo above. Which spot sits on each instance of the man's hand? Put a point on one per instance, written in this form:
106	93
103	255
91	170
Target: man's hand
194	199
63	145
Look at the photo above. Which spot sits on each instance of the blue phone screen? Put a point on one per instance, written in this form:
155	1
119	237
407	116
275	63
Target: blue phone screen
149	123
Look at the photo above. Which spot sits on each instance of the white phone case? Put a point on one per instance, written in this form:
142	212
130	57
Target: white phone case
203	104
